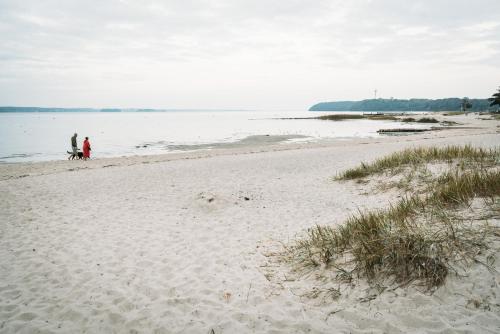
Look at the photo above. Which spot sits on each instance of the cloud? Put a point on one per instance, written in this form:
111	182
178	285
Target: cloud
113	49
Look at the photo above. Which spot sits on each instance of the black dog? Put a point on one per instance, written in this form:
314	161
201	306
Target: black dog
78	155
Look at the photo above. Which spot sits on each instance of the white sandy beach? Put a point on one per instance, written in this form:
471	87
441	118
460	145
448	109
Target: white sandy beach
181	243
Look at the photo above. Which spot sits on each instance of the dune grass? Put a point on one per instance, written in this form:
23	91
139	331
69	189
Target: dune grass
419	156
427	120
454	113
340	117
414	240
455	188
382	117
449	123
420	120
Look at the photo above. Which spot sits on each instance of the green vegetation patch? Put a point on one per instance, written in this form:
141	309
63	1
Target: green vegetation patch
341	117
418	156
427	120
420	120
418	239
454	113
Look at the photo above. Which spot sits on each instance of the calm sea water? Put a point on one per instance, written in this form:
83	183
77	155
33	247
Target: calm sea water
46	136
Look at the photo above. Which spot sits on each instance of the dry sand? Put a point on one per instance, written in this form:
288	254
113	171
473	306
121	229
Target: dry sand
180	244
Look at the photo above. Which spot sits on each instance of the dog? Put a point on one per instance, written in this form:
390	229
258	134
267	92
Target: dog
78	155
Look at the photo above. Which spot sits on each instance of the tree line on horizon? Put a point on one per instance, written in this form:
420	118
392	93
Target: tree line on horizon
448	104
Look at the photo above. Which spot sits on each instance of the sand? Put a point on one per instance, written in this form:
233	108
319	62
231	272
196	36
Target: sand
183	243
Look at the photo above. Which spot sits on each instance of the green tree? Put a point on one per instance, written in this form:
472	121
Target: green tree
466	104
495	98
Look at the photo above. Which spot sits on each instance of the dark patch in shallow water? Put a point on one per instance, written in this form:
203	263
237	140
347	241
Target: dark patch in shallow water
255	140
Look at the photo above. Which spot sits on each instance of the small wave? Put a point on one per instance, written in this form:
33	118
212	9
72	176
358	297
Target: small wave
19	156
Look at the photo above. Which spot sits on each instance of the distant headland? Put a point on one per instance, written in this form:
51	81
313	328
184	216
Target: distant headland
448	104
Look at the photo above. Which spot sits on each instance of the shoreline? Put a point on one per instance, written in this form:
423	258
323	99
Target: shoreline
10	170
108	145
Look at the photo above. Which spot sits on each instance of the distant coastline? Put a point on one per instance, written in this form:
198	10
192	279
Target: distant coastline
8	109
448	104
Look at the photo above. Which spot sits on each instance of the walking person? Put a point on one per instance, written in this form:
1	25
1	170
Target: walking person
86	149
74	146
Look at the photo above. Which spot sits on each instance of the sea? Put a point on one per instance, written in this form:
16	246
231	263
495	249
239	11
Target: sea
43	136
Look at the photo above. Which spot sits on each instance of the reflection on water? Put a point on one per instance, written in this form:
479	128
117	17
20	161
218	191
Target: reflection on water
46	136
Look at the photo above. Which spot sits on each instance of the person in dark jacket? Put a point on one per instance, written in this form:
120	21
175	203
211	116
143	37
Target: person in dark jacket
74	146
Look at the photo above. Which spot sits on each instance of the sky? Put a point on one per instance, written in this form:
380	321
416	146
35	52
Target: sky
244	54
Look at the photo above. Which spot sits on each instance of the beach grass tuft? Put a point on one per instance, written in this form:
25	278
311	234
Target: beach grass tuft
427	120
419	238
382	117
457	188
420	120
449	123
419	156
454	113
341	117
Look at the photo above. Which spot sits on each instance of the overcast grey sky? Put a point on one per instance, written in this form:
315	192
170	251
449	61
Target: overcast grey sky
250	54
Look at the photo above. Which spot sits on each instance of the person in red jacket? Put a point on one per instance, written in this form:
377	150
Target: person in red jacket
86	148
